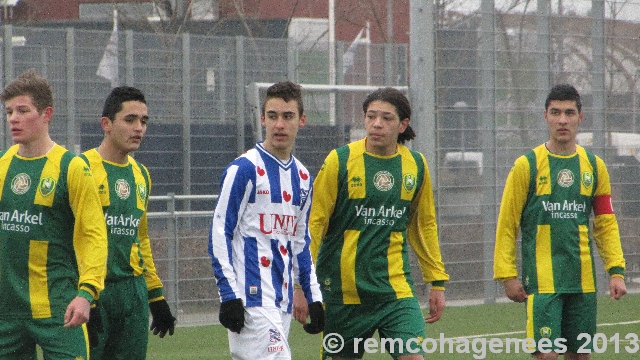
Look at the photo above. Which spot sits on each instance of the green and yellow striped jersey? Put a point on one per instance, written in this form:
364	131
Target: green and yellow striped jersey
53	244
550	198
365	207
124	193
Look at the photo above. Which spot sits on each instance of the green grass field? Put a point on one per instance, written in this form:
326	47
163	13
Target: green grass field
502	320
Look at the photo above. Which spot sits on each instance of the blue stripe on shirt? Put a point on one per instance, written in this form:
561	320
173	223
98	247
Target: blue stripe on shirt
252	273
277	269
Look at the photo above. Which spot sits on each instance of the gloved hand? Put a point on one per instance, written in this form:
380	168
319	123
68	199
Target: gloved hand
94	326
316	313
232	315
163	321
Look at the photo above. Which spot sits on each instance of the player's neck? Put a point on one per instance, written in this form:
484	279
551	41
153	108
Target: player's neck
36	148
561	148
112	153
283	154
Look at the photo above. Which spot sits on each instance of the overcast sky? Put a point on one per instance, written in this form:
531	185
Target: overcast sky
624	9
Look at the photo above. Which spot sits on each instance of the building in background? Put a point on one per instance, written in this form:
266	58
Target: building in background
388	19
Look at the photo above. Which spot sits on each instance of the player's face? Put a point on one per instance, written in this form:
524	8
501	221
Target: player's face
281	121
383	125
128	127
26	124
563	118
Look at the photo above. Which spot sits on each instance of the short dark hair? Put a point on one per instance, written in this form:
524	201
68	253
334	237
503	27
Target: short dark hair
399	101
119	95
287	91
562	92
32	84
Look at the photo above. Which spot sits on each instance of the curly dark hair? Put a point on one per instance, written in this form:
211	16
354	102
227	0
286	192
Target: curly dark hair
400	102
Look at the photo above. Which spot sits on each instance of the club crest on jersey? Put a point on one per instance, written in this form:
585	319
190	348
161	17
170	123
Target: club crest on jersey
565	178
47	185
587	179
545	332
304	194
409	182
122	189
274	336
20	184
383	180
142	191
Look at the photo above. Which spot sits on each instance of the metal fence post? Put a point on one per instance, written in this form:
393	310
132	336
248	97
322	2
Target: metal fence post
240	97
72	141
8	73
172	253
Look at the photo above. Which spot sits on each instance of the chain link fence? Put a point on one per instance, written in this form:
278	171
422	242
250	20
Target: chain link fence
493	69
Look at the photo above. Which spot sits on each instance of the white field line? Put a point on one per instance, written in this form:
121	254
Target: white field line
492	335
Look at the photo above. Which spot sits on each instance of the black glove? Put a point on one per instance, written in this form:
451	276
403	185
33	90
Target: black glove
232	315
162	321
94	326
316	313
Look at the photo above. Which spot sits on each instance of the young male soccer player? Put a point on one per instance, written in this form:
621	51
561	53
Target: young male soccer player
259	242
132	284
53	241
549	196
376	200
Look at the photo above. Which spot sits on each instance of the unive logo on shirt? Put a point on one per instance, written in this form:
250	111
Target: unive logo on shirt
587	179
122	189
20	184
383	180
278	224
565	178
47	185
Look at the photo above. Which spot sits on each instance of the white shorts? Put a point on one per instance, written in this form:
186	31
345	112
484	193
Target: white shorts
264	335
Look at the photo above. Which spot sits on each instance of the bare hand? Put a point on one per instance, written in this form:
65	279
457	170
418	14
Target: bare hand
436	306
514	290
77	312
617	288
300	306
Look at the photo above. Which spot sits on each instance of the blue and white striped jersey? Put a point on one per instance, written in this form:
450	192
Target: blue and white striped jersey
259	241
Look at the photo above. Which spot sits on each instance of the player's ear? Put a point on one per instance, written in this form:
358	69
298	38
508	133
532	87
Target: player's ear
48	113
303	120
106	123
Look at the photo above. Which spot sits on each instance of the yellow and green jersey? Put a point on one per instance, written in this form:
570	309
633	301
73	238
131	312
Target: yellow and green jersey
550	198
365	209
124	193
53	244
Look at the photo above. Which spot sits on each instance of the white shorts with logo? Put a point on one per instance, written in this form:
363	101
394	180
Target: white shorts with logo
264	335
